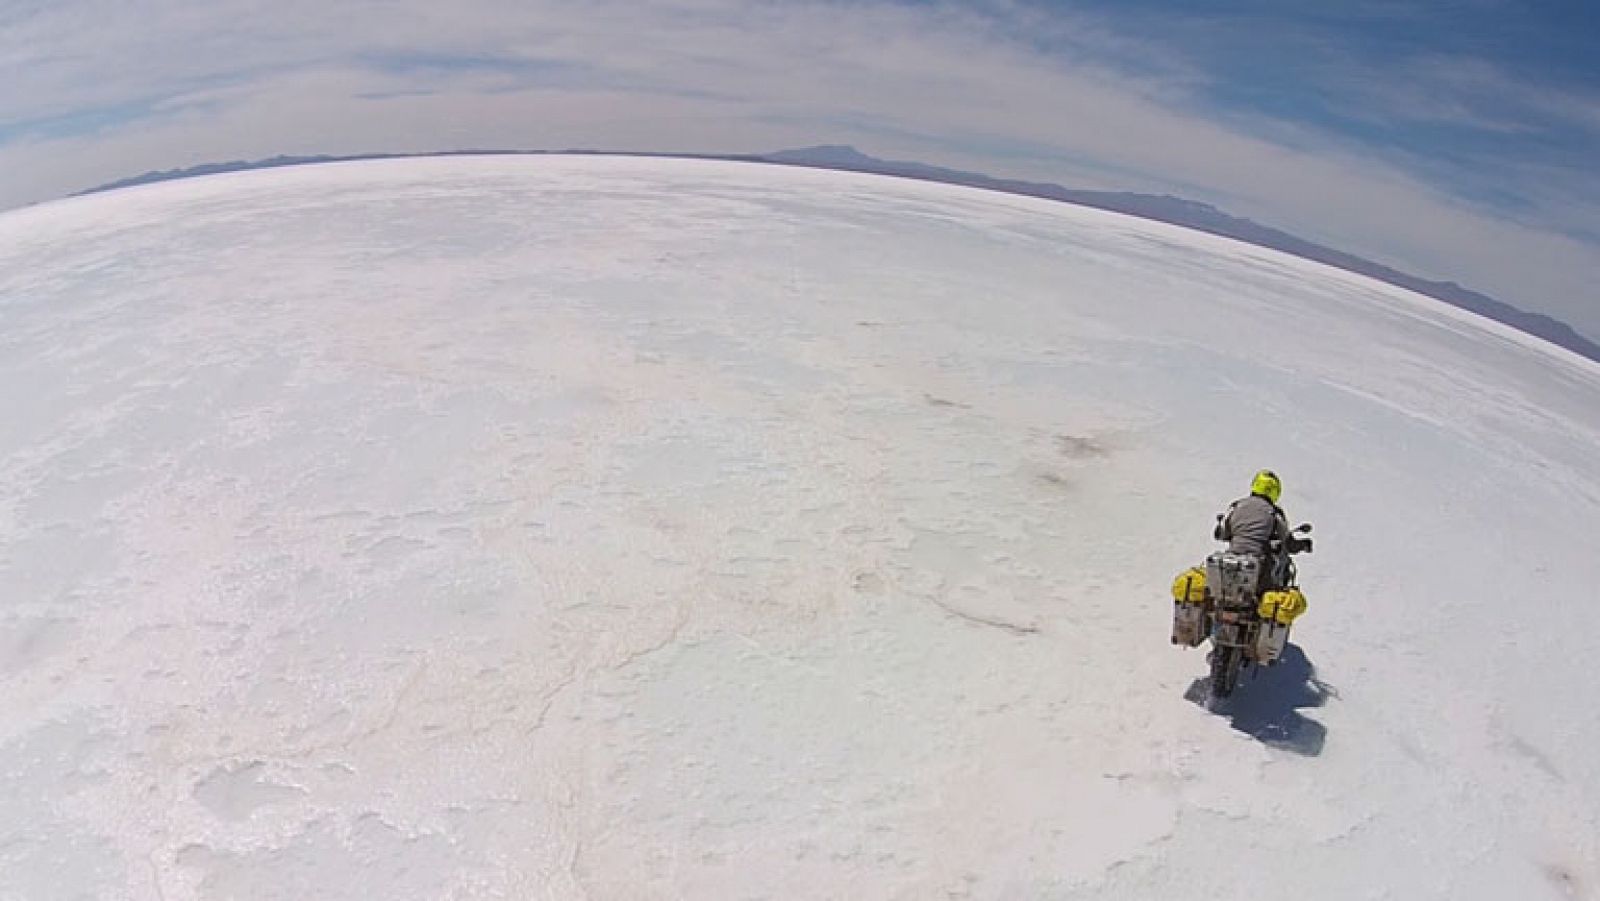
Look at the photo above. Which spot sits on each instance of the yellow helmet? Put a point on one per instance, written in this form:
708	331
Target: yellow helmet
1267	485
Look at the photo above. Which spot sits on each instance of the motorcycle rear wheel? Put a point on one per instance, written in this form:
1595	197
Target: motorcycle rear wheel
1225	665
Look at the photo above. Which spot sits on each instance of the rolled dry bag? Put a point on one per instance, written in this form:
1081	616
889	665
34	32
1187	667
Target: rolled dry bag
1190	586
1283	607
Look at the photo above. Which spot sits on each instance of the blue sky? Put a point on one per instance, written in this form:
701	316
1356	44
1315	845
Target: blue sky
1454	90
1453	139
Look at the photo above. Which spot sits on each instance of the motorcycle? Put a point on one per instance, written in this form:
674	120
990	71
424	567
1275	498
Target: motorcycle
1244	605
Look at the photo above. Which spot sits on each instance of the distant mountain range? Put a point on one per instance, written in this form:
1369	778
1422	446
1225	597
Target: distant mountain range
1159	207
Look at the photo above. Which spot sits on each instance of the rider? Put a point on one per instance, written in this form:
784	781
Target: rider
1255	525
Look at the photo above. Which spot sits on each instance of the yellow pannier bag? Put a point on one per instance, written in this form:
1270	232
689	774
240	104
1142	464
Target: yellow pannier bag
1190	586
1283	606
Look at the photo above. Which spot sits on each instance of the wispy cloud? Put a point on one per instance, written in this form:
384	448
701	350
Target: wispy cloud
1472	95
99	89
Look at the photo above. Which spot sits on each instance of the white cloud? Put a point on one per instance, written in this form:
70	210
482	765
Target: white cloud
1014	93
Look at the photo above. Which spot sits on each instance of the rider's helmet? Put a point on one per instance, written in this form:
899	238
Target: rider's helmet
1267	485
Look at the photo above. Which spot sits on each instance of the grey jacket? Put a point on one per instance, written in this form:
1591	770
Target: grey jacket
1250	524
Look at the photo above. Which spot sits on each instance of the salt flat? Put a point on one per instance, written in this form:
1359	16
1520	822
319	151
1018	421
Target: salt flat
575	527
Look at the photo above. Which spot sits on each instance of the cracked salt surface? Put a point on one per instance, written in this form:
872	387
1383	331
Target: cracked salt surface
576	527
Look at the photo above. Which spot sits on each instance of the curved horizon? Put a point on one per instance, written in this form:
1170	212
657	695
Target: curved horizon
1456	143
1181	213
